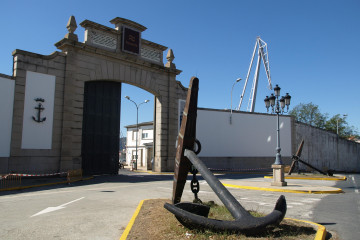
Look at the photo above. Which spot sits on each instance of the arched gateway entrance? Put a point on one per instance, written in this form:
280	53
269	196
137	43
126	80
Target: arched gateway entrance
87	79
101	130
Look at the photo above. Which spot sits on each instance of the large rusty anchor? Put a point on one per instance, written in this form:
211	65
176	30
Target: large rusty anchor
193	215
296	159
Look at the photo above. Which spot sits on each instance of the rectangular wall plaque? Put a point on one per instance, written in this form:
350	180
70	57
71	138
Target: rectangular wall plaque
131	41
7	87
38	135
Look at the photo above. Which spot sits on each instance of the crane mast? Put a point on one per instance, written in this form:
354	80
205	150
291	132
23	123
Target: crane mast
263	55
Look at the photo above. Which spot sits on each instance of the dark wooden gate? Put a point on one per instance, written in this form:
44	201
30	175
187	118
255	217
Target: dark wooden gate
101	127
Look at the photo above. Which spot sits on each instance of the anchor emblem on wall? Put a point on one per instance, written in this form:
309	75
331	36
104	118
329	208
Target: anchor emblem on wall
39	108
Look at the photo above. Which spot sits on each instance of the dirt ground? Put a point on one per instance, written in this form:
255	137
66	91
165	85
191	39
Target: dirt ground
154	222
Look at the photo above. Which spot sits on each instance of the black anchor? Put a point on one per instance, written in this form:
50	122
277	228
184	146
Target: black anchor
193	215
39	108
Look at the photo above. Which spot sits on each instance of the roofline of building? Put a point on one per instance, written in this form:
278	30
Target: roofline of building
140	124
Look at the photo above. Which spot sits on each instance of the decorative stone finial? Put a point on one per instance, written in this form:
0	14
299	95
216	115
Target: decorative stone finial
170	57
71	27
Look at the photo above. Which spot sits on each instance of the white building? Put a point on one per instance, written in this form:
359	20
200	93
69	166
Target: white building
145	136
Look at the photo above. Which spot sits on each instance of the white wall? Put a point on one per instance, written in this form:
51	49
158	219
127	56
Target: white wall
38	135
249	135
7	87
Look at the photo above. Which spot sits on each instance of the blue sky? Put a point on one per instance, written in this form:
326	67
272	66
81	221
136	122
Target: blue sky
313	45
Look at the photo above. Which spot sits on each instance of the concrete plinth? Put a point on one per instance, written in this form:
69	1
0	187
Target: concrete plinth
278	175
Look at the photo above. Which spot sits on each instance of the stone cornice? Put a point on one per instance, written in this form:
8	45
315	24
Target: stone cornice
65	44
36	55
88	23
6	76
123	21
153	45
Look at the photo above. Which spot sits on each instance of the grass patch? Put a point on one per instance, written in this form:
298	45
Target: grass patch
155	222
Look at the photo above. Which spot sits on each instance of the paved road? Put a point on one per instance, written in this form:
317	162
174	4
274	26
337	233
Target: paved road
341	212
96	209
101	208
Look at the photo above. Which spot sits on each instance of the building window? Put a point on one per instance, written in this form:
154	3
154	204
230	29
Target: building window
134	135
134	155
145	135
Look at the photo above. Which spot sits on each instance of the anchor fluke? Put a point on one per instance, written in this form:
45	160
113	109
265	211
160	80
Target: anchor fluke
246	225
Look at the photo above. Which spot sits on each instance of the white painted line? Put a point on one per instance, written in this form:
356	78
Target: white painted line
308	214
357	190
52	209
310	200
188	191
296	203
264	204
352	178
268	194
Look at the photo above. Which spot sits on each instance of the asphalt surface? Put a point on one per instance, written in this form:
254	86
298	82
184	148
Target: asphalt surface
341	213
101	208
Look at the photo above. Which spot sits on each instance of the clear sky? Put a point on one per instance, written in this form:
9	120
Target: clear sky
313	46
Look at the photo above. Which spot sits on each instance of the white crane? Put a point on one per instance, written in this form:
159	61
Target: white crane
262	54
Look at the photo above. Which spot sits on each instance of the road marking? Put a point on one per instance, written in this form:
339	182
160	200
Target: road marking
268	194
264	204
188	191
356	190
307	214
52	191
310	200
296	203
52	209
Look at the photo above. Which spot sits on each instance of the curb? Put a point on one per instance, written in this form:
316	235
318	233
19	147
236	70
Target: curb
338	190
42	185
343	178
320	233
321	230
132	220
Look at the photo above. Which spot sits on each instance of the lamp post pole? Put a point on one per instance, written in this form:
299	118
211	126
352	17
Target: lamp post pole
237	80
278	148
277	106
137	127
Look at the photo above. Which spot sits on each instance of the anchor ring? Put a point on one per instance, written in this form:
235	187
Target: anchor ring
197	147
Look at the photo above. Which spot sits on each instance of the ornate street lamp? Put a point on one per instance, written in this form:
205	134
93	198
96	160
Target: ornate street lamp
278	106
137	127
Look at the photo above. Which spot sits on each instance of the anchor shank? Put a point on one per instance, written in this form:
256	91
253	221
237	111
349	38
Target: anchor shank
234	207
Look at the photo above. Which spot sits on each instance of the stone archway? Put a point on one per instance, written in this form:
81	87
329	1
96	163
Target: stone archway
117	55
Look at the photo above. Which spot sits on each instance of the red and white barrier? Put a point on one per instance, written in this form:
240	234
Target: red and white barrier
32	175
